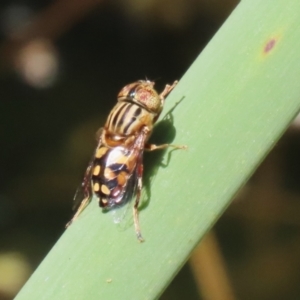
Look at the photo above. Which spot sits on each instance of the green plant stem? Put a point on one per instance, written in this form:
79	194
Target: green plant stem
237	99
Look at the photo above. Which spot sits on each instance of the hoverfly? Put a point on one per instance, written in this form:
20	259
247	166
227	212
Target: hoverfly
115	172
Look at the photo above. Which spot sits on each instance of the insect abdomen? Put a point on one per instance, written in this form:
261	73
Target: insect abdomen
111	172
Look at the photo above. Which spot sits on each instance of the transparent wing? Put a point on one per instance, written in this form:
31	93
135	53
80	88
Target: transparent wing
83	194
84	189
123	213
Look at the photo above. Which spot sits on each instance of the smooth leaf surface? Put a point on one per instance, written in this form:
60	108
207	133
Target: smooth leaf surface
236	100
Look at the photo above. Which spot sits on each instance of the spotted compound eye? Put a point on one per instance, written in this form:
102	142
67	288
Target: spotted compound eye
143	94
127	91
148	97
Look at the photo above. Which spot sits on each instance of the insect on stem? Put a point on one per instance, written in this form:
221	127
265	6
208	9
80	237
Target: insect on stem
115	172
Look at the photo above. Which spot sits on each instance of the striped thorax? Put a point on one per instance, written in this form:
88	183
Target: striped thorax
138	105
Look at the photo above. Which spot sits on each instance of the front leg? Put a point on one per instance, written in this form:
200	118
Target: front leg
168	88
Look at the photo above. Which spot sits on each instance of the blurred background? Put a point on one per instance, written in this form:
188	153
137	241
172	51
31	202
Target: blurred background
61	65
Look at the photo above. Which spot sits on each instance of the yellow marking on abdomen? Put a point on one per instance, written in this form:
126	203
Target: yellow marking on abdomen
122	159
103	200
96	171
122	178
109	174
100	152
105	190
96	187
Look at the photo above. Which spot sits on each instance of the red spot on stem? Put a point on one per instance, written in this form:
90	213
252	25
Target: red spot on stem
270	45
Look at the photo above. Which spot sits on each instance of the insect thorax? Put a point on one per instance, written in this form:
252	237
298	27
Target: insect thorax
127	119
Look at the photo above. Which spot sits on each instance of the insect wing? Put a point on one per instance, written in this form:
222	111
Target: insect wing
130	158
122	213
84	189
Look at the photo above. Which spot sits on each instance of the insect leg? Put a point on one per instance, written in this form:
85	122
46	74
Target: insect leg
139	145
168	88
137	201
